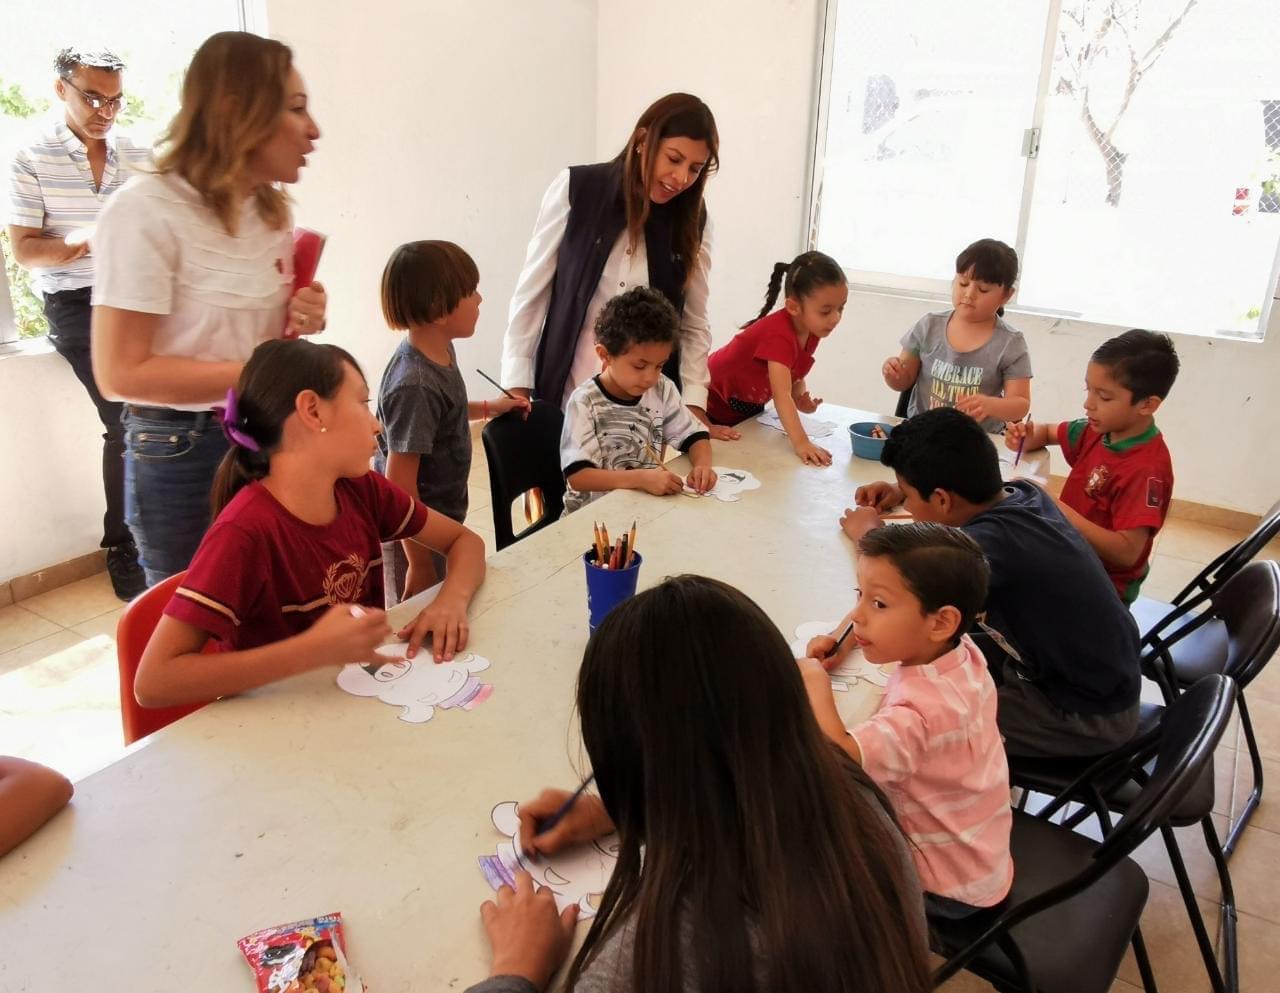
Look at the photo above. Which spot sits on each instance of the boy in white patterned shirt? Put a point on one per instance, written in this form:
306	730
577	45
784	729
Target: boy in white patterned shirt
617	423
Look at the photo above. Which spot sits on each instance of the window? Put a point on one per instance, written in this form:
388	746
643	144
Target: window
156	40
1129	150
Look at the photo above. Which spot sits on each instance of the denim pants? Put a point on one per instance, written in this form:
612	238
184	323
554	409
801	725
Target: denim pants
171	457
68	313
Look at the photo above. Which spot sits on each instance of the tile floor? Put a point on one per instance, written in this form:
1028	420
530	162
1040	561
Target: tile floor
59	704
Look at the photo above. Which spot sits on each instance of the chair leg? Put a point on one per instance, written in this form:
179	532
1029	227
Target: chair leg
1255	759
1009	946
1193	910
1229	918
1144	962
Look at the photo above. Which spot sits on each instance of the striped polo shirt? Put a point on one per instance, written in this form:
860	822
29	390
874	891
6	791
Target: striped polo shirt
51	188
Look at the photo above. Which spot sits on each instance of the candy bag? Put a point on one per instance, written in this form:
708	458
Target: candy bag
301	957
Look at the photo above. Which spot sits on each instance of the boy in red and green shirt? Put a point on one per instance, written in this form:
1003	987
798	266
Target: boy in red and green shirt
1117	494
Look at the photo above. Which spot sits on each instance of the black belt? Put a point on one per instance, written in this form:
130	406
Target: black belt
168	414
82	293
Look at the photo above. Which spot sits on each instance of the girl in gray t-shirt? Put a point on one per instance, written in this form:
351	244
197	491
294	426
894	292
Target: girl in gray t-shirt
968	357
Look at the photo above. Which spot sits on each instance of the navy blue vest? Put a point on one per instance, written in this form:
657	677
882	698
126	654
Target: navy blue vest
597	216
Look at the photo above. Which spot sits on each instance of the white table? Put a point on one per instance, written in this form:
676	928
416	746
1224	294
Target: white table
298	799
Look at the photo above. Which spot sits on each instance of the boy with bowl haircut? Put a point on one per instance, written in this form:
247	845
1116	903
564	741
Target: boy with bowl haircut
1056	637
1117	494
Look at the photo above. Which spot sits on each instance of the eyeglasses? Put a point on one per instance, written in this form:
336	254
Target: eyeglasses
117	104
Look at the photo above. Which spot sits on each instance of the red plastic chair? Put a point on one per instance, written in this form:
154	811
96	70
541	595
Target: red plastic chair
133	632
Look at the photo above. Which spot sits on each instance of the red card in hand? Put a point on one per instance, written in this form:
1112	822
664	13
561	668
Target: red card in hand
307	246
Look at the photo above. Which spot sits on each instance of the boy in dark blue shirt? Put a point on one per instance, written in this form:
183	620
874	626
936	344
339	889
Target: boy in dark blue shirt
1058	640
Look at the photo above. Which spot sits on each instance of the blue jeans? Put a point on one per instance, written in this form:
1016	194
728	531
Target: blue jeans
170	460
67	312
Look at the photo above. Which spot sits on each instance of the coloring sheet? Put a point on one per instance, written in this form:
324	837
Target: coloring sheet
814	427
419	685
854	669
730	485
1034	468
575	876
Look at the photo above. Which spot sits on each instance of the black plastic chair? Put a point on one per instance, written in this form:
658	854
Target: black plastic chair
1247	610
524	455
1205	649
1241	621
1113	783
1076	903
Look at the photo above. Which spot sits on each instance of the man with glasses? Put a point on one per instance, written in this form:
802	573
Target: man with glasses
57	187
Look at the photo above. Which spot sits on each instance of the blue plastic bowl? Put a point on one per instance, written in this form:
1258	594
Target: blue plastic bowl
865	446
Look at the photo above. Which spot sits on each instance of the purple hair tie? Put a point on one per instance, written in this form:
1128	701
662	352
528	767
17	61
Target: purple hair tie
229	418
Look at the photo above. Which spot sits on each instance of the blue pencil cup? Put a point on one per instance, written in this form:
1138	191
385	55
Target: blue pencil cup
606	588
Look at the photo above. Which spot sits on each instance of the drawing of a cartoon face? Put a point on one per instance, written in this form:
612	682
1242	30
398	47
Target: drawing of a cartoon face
730	485
418	685
574	876
389	670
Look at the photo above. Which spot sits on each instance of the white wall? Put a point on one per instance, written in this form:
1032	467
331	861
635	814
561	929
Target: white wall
756	65
51	501
438	120
753	64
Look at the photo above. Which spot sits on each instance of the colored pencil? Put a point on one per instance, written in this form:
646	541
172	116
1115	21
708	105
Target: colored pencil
546	825
1021	444
631	547
840	641
509	396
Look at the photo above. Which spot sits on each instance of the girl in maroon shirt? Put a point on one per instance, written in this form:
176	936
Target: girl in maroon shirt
289	578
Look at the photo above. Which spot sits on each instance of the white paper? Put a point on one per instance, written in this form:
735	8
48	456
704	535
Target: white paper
419	685
814	427
575	875
730	485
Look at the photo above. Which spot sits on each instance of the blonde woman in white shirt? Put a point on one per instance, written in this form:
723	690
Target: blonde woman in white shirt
638	220
195	268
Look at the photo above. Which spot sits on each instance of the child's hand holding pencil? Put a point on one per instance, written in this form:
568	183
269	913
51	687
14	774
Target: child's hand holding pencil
582	819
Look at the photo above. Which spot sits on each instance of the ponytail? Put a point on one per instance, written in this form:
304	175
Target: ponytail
805	273
254	417
771	292
238	468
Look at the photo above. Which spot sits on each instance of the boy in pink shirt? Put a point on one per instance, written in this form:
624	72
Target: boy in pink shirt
933	746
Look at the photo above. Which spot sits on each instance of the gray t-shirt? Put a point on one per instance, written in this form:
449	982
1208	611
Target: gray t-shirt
947	375
423	410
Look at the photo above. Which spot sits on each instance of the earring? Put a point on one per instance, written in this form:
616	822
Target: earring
323	429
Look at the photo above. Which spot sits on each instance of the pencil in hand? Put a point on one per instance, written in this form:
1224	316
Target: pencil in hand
505	392
839	641
547	824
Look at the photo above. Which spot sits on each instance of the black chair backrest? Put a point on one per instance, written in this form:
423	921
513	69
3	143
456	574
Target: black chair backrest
1232	560
1249	606
1190	730
524	454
